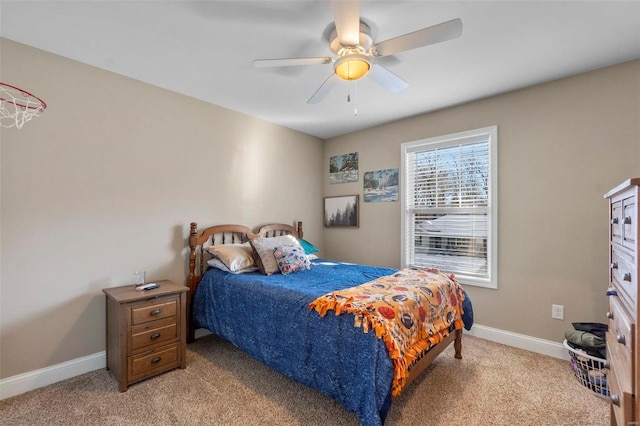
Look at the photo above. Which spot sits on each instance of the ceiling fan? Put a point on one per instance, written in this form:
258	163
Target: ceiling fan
356	52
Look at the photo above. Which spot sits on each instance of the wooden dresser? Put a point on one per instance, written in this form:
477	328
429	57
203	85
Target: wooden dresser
146	331
622	337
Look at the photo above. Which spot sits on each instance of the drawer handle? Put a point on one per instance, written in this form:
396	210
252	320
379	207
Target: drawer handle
627	276
615	400
627	220
621	339
614	265
156	360
611	292
155	313
610	315
614	221
154	336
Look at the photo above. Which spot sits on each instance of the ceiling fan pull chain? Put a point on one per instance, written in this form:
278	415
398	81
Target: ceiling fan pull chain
355	95
355	92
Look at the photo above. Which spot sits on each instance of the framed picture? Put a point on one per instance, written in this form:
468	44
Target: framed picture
341	211
343	168
380	186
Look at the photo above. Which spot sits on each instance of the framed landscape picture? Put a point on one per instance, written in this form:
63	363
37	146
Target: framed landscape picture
343	168
380	186
341	211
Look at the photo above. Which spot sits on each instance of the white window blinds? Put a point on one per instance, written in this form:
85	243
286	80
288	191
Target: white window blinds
448	205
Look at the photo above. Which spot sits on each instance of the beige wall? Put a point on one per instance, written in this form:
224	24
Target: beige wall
107	180
561	146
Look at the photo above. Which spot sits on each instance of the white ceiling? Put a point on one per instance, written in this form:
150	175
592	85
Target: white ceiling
205	49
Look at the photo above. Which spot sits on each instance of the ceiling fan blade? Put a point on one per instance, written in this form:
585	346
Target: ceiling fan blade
424	37
387	79
290	62
346	15
324	89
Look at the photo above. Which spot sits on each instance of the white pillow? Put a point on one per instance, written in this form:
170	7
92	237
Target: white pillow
235	257
217	263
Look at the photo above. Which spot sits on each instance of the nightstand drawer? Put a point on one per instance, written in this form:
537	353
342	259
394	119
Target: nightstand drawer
162	308
150	363
143	336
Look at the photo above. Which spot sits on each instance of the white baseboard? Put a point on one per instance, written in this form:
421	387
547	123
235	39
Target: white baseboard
521	341
25	382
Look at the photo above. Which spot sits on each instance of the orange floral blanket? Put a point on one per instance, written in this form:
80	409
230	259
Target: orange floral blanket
410	310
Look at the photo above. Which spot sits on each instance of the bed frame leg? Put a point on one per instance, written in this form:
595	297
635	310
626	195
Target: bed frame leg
458	344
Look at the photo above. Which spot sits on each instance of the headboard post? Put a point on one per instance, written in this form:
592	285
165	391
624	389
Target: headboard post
191	281
299	228
193	235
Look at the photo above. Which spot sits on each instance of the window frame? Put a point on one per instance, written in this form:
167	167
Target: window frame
490	134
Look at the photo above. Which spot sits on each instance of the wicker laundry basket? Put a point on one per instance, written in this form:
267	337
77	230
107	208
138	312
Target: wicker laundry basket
589	370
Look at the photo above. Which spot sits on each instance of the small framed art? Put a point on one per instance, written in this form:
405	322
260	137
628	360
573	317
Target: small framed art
341	211
380	185
343	168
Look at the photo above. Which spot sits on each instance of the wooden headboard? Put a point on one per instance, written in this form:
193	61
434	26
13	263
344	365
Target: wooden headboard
277	229
224	234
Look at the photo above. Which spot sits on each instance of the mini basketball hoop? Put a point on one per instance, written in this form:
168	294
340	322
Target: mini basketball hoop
18	106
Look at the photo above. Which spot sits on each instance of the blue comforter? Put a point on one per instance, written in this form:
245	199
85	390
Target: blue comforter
268	317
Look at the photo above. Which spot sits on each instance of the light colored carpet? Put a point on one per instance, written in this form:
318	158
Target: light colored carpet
492	385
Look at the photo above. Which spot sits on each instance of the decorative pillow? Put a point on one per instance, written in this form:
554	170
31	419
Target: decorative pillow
291	259
235	257
307	246
263	248
214	262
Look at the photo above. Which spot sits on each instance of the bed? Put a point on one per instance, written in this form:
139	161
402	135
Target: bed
272	318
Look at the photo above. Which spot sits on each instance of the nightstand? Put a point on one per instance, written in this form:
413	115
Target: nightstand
146	331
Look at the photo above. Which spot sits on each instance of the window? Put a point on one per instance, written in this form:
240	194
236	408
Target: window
449	201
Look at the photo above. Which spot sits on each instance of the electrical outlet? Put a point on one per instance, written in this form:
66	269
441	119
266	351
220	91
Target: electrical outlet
557	312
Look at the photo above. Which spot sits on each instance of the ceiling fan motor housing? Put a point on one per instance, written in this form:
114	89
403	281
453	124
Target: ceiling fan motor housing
365	41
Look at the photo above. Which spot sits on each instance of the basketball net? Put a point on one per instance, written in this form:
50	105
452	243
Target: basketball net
18	106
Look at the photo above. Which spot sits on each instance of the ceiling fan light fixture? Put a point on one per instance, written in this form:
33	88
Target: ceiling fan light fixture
352	66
